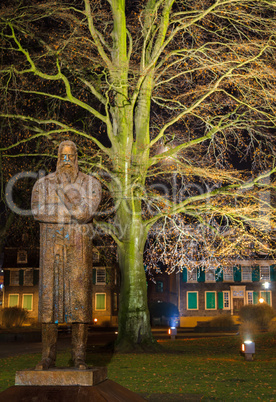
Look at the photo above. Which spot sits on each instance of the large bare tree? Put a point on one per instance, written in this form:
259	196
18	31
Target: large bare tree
173	102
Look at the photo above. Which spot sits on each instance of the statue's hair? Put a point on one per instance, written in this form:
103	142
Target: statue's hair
68	143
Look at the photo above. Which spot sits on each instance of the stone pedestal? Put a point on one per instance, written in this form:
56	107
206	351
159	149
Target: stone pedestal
66	385
62	376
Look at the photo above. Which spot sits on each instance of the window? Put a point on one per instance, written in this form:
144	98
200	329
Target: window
192	275
192	300
159	287
210	275
28	277
95	255
266	295
27	302
100	276
226	300
22	257
246	274
210	301
265	273
14	277
249	297
115	303
13	300
228	274
100	301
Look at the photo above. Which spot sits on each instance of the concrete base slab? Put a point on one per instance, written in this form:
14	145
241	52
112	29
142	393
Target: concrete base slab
61	376
105	391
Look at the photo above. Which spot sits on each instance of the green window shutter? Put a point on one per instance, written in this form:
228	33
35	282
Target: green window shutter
94	276
210	300
201	275
272	273
108	276
13	300
36	277
219	275
237	274
255	297
100	301
255	274
21	277
6	277
28	302
266	296
184	275
192	300
220	300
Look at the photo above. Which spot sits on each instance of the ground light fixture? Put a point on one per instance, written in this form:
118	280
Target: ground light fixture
248	350
95	320
172	331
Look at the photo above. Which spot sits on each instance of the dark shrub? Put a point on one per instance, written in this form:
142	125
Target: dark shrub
259	314
13	317
222	321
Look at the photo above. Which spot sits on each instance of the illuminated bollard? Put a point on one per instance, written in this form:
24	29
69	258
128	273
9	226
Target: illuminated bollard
248	350
172	332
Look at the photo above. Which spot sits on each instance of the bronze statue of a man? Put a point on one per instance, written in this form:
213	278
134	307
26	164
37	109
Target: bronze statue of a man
64	203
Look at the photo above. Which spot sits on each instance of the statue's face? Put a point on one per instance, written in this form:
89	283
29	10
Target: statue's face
68	156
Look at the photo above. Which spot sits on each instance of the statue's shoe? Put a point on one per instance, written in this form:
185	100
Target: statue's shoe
45	364
80	364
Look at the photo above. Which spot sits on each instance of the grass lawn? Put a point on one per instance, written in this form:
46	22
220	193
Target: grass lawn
211	367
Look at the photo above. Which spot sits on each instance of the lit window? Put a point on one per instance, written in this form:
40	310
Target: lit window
226	300
27	302
28	277
192	300
100	301
159	286
246	274
210	301
266	295
265	273
13	300
228	274
210	275
192	275
14	277
101	276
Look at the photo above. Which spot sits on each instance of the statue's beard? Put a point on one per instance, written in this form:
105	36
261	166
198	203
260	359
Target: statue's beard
68	172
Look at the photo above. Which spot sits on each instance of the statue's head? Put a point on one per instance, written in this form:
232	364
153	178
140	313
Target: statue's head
68	160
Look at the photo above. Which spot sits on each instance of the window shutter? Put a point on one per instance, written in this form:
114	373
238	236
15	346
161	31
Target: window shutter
184	275
237	274
21	277
6	277
201	275
36	277
94	276
210	300
255	274
255	297
192	301
272	273
220	300
219	275
108	276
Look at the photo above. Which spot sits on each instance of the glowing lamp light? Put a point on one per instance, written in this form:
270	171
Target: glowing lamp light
261	300
266	285
95	320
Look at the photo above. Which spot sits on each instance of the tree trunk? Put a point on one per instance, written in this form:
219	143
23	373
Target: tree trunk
134	322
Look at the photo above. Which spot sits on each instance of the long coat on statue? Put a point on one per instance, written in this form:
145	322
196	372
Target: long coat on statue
65	248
